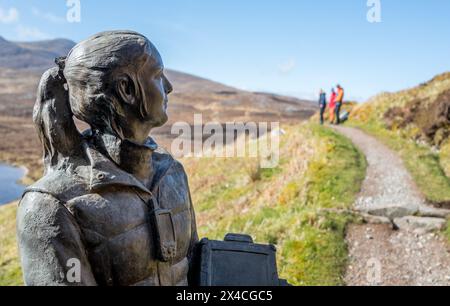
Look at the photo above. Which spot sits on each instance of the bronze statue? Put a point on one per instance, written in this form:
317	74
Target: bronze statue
112	204
111	199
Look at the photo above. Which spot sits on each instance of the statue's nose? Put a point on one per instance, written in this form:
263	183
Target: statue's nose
168	85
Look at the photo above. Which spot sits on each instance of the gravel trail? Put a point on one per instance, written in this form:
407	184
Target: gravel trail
411	254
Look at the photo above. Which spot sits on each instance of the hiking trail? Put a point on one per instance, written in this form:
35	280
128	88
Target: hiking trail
400	243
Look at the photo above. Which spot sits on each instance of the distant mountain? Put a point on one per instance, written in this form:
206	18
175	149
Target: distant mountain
222	103
26	61
32	55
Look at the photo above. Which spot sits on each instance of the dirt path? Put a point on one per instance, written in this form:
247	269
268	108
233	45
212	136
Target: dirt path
412	254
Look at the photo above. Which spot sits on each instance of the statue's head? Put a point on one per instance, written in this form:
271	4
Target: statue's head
117	84
113	81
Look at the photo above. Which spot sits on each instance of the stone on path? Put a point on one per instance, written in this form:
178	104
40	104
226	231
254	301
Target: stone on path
390	211
427	211
420	225
376	219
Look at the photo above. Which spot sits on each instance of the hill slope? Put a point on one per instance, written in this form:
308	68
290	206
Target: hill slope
32	55
218	102
415	123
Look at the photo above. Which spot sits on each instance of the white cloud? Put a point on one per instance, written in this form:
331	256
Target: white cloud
288	66
47	16
9	16
30	33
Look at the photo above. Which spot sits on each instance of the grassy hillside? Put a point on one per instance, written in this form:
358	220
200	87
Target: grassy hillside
416	124
301	206
10	271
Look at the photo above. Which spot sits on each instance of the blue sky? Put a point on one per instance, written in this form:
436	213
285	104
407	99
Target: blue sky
291	47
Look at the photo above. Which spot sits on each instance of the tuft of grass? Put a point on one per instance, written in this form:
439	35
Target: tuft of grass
10	270
444	156
447	231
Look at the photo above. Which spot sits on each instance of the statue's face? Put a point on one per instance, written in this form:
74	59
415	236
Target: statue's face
148	109
156	88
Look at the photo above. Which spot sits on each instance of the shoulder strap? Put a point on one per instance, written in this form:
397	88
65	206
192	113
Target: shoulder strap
163	162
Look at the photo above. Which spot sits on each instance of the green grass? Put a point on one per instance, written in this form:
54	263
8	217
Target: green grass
300	215
423	164
444	156
10	271
447	232
336	178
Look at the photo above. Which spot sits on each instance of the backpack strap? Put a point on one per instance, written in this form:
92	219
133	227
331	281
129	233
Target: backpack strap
164	162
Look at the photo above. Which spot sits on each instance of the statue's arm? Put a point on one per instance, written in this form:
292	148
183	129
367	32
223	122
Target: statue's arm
50	244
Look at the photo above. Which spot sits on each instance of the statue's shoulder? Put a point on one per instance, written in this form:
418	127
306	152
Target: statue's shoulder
38	209
61	185
164	161
41	205
166	168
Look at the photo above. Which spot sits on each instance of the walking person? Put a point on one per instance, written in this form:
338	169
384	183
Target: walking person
339	101
322	105
332	105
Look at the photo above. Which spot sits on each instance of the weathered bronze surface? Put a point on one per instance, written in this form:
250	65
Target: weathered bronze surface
114	209
111	200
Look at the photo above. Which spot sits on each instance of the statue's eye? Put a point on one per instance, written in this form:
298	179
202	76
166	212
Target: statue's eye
159	72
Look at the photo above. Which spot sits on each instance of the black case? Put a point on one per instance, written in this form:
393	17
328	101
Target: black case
237	261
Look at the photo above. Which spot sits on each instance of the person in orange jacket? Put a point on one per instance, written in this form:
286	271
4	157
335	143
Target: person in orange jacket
332	105
339	101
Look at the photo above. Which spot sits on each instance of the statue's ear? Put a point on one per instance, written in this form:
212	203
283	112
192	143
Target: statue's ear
127	89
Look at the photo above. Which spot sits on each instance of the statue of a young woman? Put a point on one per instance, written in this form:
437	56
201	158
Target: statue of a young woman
111	202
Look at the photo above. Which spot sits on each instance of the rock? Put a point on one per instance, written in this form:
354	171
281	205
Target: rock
428	211
392	211
420	225
376	219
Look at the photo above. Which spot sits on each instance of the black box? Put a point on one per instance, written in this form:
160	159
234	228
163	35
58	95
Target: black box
236	261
